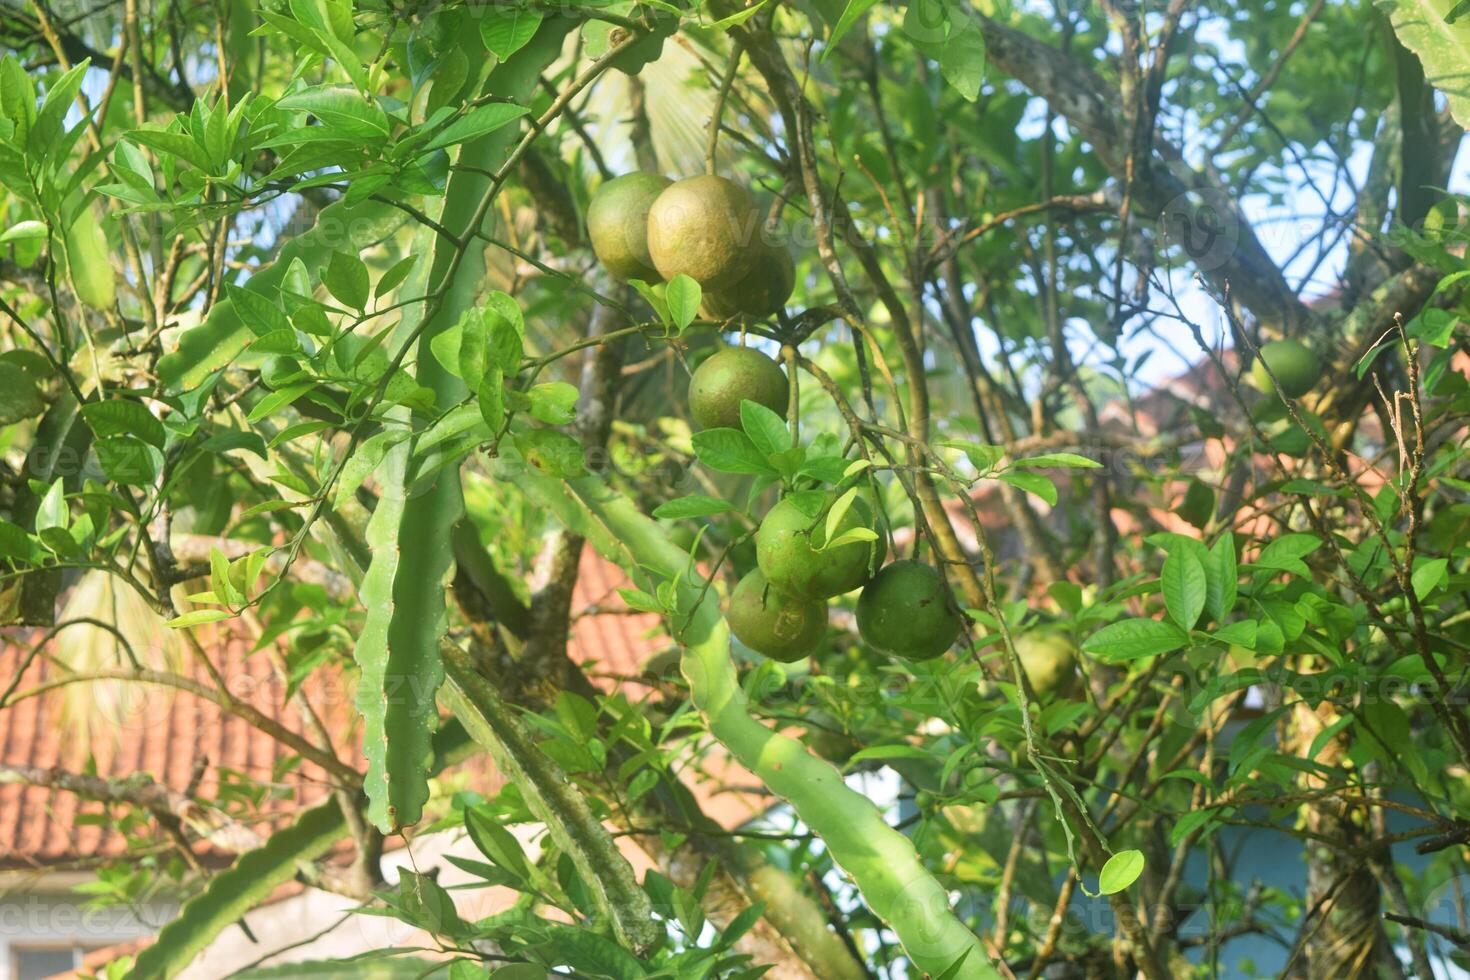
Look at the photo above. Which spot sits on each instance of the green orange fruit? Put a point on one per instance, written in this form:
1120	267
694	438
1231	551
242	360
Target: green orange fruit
706	228
728	377
905	612
1296	368
617	224
760	292
785	551
772	623
1049	660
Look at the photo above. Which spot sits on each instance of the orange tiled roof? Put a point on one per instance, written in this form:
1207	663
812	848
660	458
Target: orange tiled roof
166	735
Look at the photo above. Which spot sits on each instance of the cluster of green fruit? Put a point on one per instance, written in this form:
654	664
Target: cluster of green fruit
779	608
645	226
650	228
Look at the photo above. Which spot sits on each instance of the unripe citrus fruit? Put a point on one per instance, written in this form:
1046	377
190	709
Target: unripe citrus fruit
905	611
772	623
784	551
1296	368
728	377
705	228
1050	661
760	292
617	223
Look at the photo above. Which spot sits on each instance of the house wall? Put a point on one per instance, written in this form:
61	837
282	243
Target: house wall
43	912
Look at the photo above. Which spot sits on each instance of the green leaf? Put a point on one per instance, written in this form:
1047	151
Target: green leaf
739	17
230	894
641	601
277	400
505	31
394	277
1198	505
552	453
128	461
89	262
453	424
1427	576
1221	578
654	298
1058	460
766	429
23	231
346	278
554	402
1443	47
198	617
259	312
363	462
19	398
730	451
519	971
1135	638
180	146
491	397
1286	552
53	511
1242	633
694	505
476	123
1188	823
505	331
14	542
851	14
1121	871
982	456
50	118
1032	483
1184	587
962	60
496	843
683	295
851	536
122	417
342	109
835	515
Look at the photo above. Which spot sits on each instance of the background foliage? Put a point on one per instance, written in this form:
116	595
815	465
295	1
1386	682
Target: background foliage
301	327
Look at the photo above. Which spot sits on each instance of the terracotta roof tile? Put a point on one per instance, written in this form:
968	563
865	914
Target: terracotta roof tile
166	736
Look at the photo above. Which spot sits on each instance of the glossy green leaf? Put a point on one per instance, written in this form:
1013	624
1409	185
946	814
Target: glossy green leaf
683	295
730	451
694	505
505	30
346	278
1185	587
1121	870
89	262
1134	638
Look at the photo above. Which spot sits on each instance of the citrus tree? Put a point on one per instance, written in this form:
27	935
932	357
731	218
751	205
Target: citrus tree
1053	416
